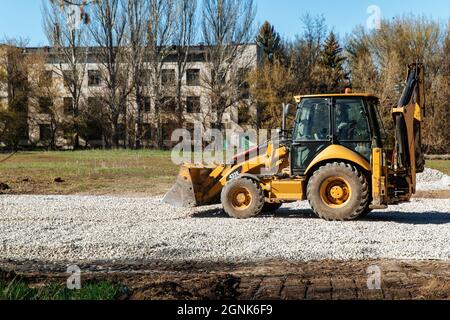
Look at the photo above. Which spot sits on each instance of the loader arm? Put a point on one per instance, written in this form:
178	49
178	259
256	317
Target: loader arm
200	185
408	156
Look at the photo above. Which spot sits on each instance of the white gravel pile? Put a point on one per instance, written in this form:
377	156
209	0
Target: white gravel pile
77	229
432	179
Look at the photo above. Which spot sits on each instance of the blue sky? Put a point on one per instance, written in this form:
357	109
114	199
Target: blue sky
22	18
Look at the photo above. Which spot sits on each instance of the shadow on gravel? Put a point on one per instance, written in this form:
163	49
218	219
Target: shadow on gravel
280	214
210	213
414	218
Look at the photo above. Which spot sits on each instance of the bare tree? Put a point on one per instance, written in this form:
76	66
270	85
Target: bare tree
227	26
42	106
160	30
185	35
137	16
108	31
378	59
306	51
67	34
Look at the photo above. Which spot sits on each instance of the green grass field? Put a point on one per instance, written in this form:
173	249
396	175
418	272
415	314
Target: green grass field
20	290
89	172
441	165
119	172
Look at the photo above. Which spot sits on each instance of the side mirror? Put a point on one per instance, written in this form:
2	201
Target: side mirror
286	109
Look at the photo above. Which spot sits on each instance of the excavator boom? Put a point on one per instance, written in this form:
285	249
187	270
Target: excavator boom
407	116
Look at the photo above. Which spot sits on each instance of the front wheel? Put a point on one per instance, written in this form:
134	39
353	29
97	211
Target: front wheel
242	198
338	191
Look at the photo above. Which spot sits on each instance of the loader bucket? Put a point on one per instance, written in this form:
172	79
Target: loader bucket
182	194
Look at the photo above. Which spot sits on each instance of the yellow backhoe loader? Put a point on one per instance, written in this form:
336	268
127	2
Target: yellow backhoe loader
336	156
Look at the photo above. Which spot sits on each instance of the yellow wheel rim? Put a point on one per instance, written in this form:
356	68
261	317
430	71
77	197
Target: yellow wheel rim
335	192
241	198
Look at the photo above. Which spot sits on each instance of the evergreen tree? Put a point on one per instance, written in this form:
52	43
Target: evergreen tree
330	73
269	40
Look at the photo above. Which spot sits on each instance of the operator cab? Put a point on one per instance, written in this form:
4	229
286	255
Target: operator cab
349	120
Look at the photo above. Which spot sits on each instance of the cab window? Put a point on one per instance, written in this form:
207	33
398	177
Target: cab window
313	120
352	126
351	120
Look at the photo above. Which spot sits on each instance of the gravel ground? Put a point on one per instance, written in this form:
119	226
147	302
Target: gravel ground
432	179
87	229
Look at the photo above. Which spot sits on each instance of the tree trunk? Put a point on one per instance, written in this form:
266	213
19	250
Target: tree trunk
139	120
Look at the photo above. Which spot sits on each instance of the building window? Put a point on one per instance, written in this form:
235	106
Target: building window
121	132
46	78
193	105
94	78
68	105
218	77
94	130
167	130
147	131
244	87
168	77
145	77
190	127
169	104
67	76
45	132
94	102
45	104
193	77
147	104
244	116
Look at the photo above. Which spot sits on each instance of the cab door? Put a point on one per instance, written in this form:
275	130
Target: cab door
312	132
351	125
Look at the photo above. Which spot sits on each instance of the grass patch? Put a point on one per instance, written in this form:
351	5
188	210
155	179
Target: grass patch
97	172
20	290
441	165
90	172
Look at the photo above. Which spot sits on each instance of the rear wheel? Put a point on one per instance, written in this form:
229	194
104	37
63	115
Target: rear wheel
366	212
338	191
242	198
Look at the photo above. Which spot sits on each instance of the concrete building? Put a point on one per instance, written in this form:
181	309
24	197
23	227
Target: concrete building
44	112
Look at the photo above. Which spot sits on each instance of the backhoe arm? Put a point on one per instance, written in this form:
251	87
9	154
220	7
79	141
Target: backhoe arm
408	115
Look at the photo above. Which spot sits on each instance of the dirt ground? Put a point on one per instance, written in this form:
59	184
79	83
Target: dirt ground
324	280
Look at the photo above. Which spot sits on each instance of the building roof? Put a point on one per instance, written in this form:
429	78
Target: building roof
342	95
197	52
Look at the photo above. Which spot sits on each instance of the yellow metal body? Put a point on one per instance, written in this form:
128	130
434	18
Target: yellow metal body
336	192
209	182
378	178
285	190
241	199
338	153
411	113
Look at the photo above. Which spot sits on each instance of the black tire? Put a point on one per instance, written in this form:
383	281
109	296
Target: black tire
366	212
357	200
254	206
271	207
